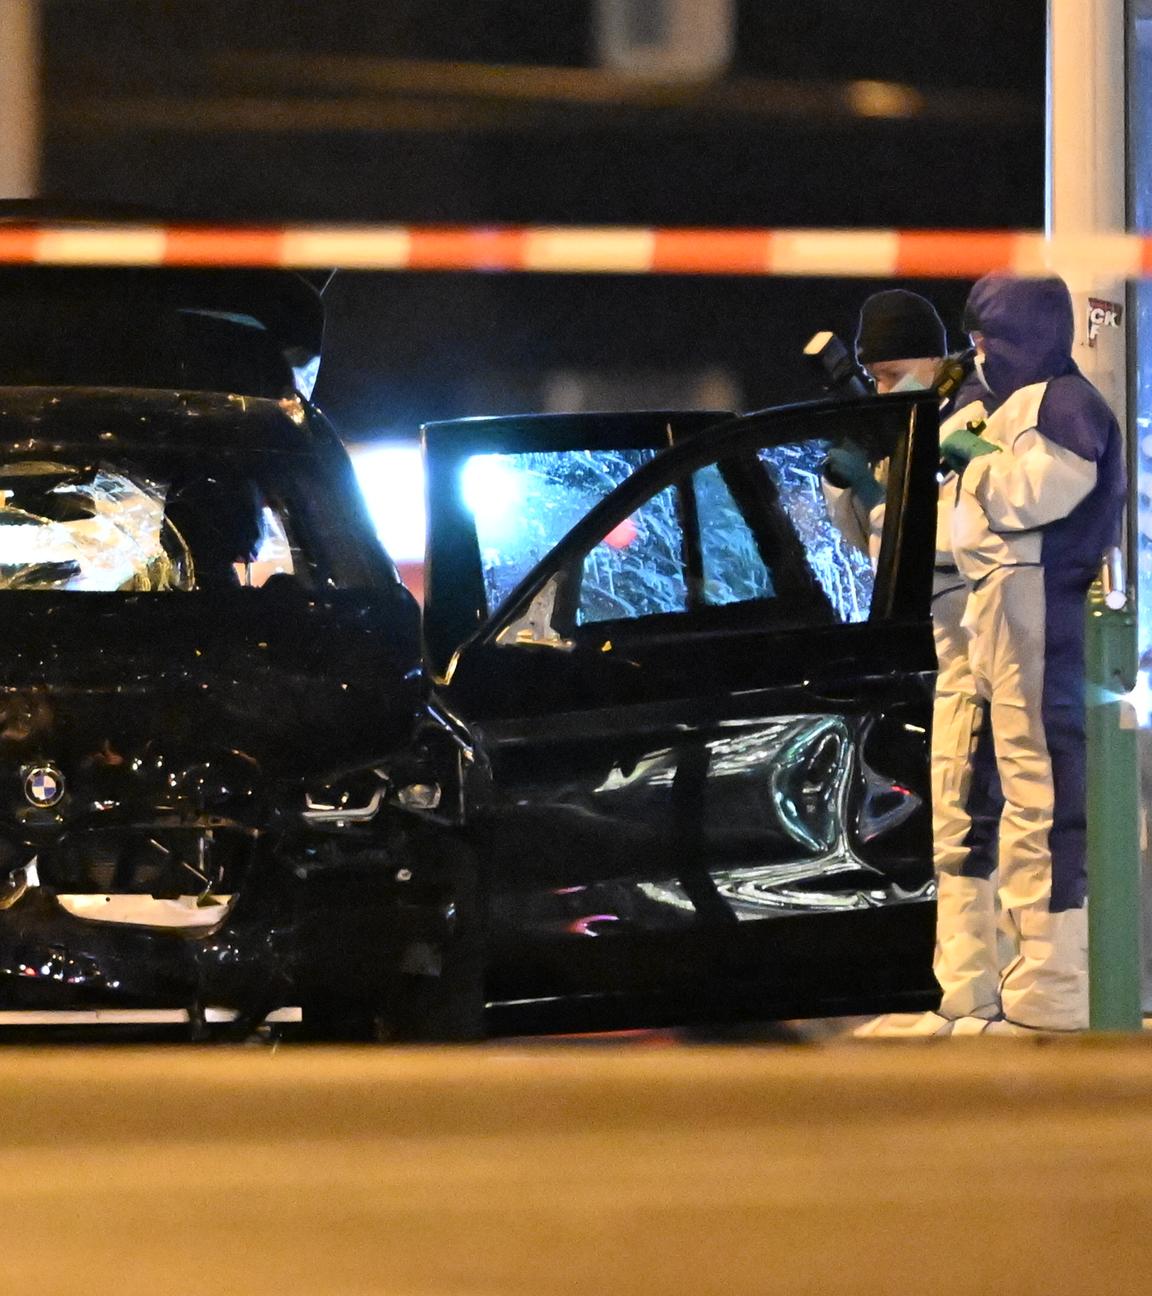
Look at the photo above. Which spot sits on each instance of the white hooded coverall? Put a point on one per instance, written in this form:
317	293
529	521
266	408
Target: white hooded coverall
1029	528
966	800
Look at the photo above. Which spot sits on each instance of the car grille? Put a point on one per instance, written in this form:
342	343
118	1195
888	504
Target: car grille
165	864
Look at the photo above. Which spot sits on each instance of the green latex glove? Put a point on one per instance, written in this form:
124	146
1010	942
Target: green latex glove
962	446
847	468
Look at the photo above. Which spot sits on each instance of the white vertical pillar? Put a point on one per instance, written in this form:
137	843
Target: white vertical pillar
690	40
19	98
1087	194
1087	170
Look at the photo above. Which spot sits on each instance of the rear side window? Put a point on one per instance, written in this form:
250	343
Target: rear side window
765	532
733	568
759	529
272	554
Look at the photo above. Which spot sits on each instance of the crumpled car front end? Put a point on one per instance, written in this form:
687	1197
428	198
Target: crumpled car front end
216	808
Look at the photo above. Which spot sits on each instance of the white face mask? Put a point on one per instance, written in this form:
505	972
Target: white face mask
978	365
909	383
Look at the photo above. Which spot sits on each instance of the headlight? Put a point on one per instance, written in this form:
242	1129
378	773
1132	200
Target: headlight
419	796
338	804
358	800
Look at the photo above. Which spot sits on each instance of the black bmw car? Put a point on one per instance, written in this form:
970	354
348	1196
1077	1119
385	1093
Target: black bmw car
225	796
656	753
211	682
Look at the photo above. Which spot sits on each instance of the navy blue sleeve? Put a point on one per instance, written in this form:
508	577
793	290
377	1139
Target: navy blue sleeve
1074	415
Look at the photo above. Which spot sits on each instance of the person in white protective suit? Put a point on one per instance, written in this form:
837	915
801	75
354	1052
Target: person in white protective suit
901	343
1040	497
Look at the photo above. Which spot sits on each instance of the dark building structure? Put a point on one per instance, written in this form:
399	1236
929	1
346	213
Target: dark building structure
829	114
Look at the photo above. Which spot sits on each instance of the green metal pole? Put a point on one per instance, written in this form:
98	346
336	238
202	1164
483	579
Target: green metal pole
1114	913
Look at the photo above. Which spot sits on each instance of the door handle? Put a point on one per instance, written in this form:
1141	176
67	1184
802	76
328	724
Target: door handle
835	687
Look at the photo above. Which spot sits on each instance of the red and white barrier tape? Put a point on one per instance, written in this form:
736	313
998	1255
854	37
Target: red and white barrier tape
582	250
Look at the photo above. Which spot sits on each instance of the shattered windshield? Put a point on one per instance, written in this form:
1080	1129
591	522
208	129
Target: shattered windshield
524	504
62	528
134	526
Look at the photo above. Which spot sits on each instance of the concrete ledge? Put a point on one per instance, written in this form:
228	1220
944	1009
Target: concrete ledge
979	1166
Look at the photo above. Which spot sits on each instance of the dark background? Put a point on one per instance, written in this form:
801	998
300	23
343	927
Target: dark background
390	110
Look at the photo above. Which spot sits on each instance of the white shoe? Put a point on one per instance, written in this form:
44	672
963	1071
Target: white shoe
904	1026
978	1026
1000	1026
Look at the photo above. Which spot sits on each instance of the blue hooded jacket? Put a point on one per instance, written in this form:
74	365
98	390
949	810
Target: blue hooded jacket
1029	328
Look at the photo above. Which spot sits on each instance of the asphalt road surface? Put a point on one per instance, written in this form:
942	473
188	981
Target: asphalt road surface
960	1166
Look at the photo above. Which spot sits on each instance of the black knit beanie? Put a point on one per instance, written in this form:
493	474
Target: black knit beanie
899	325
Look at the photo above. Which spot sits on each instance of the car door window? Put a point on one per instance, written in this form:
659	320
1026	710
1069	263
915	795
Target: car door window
273	554
756	528
524	503
842	569
733	568
776	544
638	569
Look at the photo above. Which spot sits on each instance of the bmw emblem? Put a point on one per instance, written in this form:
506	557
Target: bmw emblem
44	786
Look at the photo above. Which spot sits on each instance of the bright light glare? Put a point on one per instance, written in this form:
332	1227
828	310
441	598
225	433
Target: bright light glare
1141	700
392	479
491	491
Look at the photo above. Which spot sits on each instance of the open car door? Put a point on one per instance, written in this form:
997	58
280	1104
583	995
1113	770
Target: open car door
705	719
505	490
